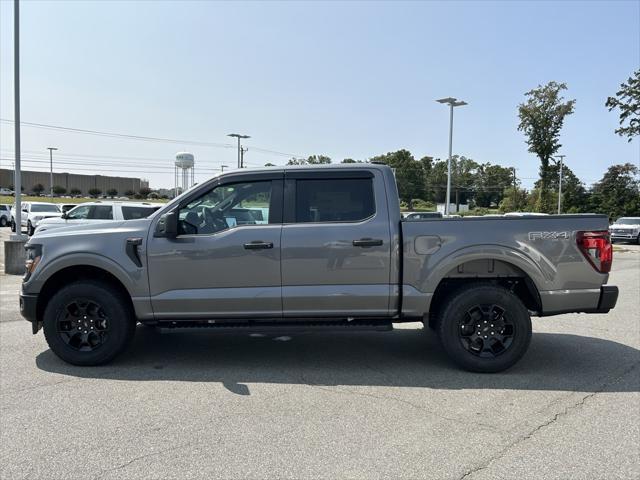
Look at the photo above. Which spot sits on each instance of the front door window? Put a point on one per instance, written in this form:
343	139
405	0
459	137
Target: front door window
225	207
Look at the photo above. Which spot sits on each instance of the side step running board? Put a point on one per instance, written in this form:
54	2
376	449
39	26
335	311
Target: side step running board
273	327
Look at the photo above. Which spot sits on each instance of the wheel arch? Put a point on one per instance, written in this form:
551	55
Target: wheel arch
484	269
74	273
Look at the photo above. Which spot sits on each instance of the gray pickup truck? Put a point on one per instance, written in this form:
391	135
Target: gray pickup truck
313	248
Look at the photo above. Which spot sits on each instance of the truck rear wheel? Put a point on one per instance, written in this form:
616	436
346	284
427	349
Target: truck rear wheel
88	323
484	328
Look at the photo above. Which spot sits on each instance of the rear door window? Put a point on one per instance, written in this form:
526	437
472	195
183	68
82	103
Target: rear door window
132	213
101	212
334	200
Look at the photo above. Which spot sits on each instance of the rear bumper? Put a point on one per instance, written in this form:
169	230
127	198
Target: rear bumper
608	298
558	302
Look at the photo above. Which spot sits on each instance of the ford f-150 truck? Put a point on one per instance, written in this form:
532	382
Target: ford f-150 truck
312	248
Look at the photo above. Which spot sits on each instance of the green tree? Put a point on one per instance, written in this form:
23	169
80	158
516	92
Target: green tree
94	192
38	188
112	192
491	183
514	199
129	193
75	191
351	160
409	174
541	119
627	100
618	192
427	168
145	191
463	177
58	190
575	197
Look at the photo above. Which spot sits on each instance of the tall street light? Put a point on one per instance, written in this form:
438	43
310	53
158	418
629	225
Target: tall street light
51	149
222	167
452	102
239	136
561	157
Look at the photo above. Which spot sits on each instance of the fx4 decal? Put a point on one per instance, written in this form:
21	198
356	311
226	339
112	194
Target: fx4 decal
549	235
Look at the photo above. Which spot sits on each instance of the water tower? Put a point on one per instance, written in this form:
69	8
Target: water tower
183	170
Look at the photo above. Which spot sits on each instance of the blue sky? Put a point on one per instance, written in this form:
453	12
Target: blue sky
343	79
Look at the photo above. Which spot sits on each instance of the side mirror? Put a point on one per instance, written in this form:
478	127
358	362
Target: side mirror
64	215
167	225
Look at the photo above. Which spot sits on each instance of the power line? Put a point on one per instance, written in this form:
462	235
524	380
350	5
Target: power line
139	137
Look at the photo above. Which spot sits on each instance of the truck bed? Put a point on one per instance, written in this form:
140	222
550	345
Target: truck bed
543	250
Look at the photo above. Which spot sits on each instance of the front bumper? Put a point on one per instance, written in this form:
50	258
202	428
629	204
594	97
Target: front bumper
28	309
624	236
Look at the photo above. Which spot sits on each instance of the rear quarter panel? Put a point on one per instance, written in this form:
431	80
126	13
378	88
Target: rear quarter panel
544	248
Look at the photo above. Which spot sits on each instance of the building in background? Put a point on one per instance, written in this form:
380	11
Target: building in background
70	181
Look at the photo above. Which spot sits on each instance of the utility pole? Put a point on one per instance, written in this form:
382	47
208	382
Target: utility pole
239	136
242	152
515	188
452	102
561	157
222	167
51	149
16	124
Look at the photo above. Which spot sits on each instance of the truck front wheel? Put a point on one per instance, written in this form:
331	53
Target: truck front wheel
88	323
484	328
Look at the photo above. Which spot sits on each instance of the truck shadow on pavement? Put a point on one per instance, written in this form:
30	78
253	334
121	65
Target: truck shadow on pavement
402	358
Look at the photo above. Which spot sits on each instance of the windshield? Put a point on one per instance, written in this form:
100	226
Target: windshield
45	208
628	221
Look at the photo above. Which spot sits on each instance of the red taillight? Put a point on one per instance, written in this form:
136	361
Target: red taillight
596	247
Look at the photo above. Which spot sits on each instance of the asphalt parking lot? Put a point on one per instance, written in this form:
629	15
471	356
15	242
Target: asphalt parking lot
349	405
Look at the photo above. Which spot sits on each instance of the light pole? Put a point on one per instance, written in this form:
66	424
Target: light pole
222	167
239	136
452	102
51	149
561	157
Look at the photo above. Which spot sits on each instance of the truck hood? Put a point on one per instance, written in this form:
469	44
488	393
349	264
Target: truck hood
625	226
132	227
47	216
57	220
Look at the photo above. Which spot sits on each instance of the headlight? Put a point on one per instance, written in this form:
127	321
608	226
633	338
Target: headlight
34	254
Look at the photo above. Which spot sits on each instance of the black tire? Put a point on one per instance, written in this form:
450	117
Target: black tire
13	225
3	221
95	335
30	228
501	335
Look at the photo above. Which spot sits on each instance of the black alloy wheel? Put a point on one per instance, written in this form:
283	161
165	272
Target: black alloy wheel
486	330
83	325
